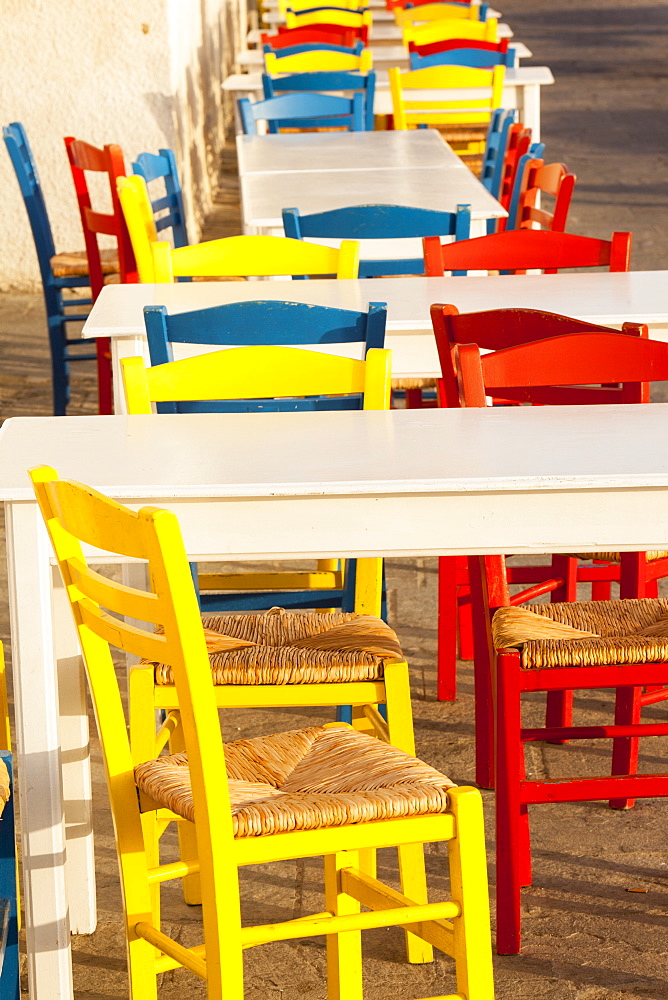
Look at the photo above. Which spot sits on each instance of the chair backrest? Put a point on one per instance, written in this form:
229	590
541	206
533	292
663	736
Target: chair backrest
168	210
465	56
535	177
267	379
578	368
263	323
379	222
497	329
318	60
327	34
295	50
340	81
303	110
74	514
109	160
448	44
139	219
434	105
436	12
358	31
527	249
496	145
459	28
329	15
25	168
253	256
393	4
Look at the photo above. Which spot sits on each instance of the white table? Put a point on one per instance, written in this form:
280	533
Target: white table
607	299
400	483
521	90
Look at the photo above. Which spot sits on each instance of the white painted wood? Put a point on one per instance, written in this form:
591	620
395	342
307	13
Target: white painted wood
608	299
43	845
332	151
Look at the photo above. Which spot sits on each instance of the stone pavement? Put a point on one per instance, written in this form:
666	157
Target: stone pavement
586	936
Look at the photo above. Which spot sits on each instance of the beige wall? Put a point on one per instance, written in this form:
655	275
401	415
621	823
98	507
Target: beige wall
143	74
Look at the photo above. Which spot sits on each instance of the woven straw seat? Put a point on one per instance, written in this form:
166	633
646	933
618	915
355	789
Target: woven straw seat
290	647
4	786
614	557
414	383
585	633
306	779
75	264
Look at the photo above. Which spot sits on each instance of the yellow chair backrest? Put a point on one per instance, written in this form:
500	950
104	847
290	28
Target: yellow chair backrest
346	18
318	59
435	12
136	206
441	30
258	373
246	256
74	514
435	104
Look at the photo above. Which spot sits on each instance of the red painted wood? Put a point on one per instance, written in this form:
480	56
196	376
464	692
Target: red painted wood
109	160
329	34
446	678
509	774
592	789
625	748
595	732
361	33
553	179
448	44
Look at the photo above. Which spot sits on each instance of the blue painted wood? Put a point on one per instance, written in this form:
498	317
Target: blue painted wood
313	10
162	166
476	58
379	222
57	308
303	110
536	151
321	82
267	323
9	945
294	50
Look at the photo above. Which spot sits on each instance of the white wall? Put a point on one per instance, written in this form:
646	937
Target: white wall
143	74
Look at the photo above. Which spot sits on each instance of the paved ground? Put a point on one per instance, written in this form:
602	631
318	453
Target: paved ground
586	936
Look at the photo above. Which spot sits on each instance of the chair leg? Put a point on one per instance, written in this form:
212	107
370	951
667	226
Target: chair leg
508	806
559	710
628	703
483	659
465	623
104	376
192	889
446	680
344	951
468	885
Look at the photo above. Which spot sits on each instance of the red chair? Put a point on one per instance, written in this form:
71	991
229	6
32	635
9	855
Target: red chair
447	44
361	33
605	367
526	250
495	330
519	142
313	33
539	178
109	161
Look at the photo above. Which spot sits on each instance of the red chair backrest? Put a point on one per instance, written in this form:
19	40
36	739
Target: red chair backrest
553	179
447	44
109	161
577	368
498	329
519	141
361	33
300	36
526	250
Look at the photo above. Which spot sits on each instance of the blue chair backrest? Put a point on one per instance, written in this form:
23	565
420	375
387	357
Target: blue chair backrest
536	151
262	323
313	10
294	50
305	110
496	145
476	58
162	166
380	222
21	156
338	80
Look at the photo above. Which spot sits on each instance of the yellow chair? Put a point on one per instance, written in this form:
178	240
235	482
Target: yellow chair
464	122
318	60
298	5
138	215
325	790
441	30
435	12
263	373
346	18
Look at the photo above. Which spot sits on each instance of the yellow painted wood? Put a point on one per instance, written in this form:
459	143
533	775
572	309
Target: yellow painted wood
165	873
347	19
438	31
165	964
281	696
138	214
435	12
184	956
443	109
306	580
246	256
344	951
317	60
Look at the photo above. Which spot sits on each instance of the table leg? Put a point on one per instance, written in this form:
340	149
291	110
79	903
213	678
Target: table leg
531	109
39	763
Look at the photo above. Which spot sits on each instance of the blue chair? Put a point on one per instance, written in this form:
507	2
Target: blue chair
167	209
338	80
260	323
293	50
380	222
305	110
477	58
496	145
54	270
9	938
